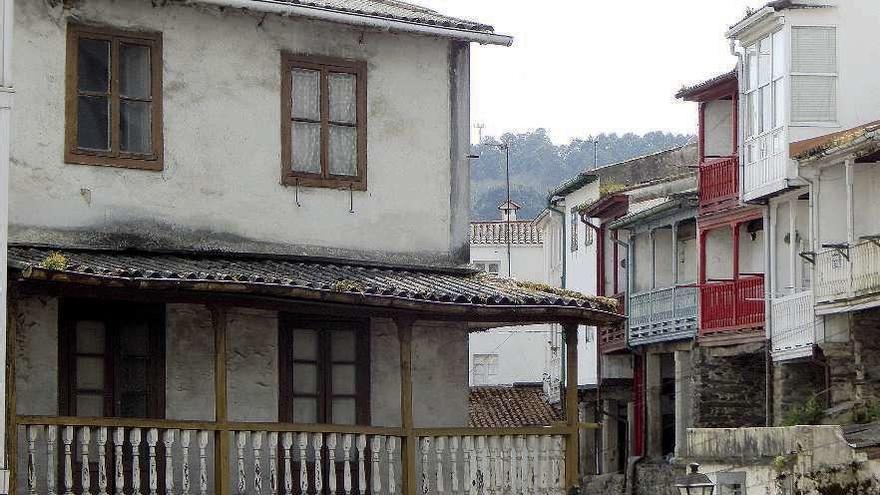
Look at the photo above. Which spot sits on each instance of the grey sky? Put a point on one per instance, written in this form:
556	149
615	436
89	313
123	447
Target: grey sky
587	66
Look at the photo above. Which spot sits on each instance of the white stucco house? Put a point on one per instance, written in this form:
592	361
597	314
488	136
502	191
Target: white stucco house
225	272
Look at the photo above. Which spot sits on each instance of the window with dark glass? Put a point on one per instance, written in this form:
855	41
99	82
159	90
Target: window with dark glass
112	359
324	371
323	131
114	98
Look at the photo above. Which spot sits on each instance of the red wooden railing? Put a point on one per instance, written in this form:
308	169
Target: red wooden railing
719	179
732	305
613	338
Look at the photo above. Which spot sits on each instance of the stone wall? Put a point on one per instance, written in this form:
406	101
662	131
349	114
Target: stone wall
655	478
853	360
793	385
729	386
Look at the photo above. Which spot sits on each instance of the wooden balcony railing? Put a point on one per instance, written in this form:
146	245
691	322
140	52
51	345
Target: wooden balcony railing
613	338
663	314
719	183
848	272
107	455
795	327
732	305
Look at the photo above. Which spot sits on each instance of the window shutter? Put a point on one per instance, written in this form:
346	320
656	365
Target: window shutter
814	74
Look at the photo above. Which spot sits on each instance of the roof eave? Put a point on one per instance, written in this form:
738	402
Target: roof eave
483	37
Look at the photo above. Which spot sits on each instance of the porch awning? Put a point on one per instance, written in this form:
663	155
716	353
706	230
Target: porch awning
436	292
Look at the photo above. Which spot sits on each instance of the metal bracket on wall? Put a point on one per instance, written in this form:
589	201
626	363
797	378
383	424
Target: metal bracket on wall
874	239
809	256
842	249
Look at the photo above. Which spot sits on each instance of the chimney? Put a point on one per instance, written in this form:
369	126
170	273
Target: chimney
508	208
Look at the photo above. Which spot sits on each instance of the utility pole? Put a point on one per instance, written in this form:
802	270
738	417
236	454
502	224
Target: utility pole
508	206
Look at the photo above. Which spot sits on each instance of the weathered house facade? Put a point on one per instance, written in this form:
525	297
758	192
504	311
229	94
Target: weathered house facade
226	272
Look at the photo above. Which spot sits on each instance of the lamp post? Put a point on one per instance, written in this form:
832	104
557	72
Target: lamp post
694	482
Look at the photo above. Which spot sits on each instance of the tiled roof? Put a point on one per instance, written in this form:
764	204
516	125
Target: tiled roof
510	407
396	10
521	232
862	436
690	91
809	148
302	278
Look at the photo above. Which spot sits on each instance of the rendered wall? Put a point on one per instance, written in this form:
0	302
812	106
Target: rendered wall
220	187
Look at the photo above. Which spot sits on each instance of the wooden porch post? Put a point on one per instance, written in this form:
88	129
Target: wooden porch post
572	444
10	419
221	439
735	272
409	443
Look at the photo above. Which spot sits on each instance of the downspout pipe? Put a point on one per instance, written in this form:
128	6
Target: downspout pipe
551	207
361	20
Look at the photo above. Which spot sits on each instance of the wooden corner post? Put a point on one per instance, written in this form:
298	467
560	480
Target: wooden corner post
221	440
11	447
409	445
572	443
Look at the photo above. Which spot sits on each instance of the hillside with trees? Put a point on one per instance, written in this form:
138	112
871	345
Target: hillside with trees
537	165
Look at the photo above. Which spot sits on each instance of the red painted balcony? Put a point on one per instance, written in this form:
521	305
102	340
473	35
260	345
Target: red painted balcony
613	339
732	305
719	180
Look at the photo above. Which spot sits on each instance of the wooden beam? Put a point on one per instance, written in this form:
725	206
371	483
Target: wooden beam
572	444
221	438
409	447
10	419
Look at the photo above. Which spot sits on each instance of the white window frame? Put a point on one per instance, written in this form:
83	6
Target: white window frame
487	365
486	266
835	75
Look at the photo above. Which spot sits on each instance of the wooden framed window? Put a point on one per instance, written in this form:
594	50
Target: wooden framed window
324	371
112	359
114	98
324	122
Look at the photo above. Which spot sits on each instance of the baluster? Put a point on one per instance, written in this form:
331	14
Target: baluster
346	463
375	447
331	463
51	464
185	438
168	442
558	471
257	446
118	468
67	439
102	460
470	467
425	448
32	459
495	467
439	448
273	462
453	456
390	446
203	461
533	463
362	475
480	450
317	446
85	435
522	473
507	463
240	442
287	444
544	450
303	465
152	440
134	438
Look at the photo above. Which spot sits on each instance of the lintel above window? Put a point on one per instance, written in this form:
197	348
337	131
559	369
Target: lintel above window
114	98
324	122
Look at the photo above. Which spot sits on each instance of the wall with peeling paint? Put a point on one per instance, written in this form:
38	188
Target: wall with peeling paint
220	188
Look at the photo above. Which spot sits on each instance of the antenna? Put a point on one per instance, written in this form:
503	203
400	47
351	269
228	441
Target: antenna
479	126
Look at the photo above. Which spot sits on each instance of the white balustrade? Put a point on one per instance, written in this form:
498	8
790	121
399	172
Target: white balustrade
866	268
794	326
833	274
765	162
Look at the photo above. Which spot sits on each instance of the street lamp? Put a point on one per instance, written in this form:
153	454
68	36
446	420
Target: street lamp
694	482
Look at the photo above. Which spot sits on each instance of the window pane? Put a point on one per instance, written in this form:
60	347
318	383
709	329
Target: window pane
133	406
93	65
90	337
134	123
135	338
814	49
752	66
766	108
779	68
305	94
753	113
343	346
344	411
133	375
813	99
343	150
90	373
89	405
92	118
305	378
765	63
134	71
779	100
306	147
305	344
344	380
305	410
343	102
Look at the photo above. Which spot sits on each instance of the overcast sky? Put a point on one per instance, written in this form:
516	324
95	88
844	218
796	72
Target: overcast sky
580	67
